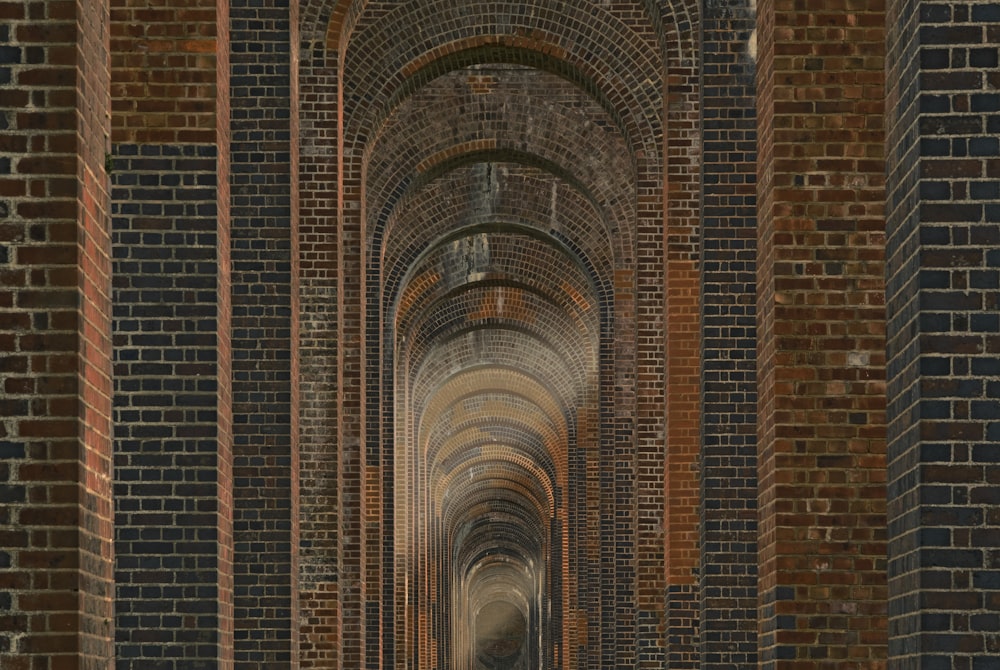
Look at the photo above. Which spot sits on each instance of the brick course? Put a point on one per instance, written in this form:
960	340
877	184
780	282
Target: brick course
170	445
265	301
173	358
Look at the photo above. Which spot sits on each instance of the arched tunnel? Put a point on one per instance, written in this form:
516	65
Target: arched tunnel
494	362
498	197
485	237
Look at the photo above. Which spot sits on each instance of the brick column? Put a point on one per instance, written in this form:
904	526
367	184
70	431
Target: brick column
264	221
173	445
943	294
728	529
55	402
821	430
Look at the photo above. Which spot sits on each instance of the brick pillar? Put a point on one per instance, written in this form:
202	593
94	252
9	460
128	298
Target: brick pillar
728	529
320	579
55	402
264	220
682	224
943	296
821	364
173	445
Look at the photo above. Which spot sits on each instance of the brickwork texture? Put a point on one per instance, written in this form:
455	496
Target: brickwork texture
365	334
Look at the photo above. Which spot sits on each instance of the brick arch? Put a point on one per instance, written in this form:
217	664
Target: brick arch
615	429
470	416
515	262
496	562
331	23
462	454
672	22
500	572
497	255
466	410
597	44
559	350
493	482
490	576
496	577
498	430
484	65
571	140
502	582
505	538
515	382
523	199
498	556
478	508
517	518
548	435
557	383
493	577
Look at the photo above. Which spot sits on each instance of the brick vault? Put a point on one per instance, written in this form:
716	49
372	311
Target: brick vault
447	334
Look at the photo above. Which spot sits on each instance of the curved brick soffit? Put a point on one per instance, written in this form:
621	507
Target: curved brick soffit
504	578
559	319
633	104
509	582
522	117
511	420
410	152
493	528
472	455
483	196
486	439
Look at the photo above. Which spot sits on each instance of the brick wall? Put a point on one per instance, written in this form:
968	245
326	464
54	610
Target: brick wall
319	498
55	407
265	310
821	424
728	495
173	444
943	282
682	401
